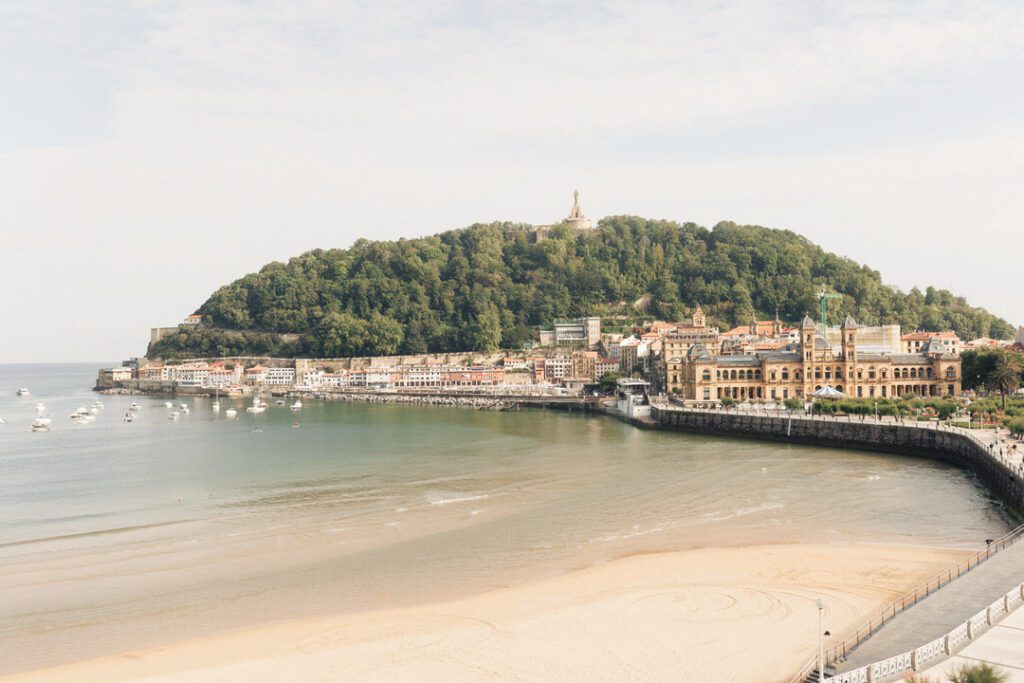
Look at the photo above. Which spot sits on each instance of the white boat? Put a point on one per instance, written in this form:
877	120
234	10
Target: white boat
297	405
39	426
185	410
98	405
174	415
216	406
23	392
3	421
129	416
230	412
279	402
94	410
257	406
40	408
135	407
168	404
43	419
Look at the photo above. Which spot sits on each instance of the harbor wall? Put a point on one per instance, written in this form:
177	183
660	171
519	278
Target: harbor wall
946	445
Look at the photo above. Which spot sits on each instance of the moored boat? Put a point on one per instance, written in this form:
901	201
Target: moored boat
38	425
23	392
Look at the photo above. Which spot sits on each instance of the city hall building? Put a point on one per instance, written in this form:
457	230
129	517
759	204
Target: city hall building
799	369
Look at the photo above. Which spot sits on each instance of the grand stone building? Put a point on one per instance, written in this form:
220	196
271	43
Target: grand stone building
797	370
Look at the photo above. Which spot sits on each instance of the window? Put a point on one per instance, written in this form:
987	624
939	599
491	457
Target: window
871	391
733	375
860	374
817	373
860	392
950	373
773	378
785	393
707	394
883	391
706	376
773	394
785	374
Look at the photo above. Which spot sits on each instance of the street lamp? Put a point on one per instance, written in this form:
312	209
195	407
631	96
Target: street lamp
821	640
876	411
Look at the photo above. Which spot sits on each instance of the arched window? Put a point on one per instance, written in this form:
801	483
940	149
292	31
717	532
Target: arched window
757	374
785	374
732	375
885	373
950	374
707	375
773	375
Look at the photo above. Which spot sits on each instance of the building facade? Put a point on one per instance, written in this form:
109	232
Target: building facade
798	370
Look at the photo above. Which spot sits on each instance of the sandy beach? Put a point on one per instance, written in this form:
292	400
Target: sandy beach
723	614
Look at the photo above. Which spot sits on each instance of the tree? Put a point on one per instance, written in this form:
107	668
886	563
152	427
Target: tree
609	382
1005	376
793	404
341	334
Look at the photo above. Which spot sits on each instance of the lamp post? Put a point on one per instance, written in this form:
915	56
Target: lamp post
876	411
821	640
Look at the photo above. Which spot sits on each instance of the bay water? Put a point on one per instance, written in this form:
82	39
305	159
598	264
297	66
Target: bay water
116	536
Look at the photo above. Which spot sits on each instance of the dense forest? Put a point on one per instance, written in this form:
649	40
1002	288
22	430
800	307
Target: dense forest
490	286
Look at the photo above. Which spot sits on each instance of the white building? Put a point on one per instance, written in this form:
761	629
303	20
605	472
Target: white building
279	377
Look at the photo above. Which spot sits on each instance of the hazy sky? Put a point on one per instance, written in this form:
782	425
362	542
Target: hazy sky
152	151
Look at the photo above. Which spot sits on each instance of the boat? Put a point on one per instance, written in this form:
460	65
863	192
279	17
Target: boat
295	425
3	421
129	416
174	415
23	392
38	425
168	404
216	400
40	408
216	406
93	410
82	415
98	405
230	412
279	402
45	419
183	406
135	407
297	405
257	406
185	410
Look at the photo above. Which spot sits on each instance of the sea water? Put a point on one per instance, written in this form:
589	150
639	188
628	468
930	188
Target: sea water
116	536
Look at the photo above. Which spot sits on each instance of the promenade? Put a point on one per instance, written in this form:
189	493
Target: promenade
1002	646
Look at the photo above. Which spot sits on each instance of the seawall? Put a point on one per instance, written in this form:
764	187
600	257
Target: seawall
945	445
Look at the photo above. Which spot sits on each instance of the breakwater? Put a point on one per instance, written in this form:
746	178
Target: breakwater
947	445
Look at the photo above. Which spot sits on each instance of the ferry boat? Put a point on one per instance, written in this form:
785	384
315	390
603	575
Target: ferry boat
23	392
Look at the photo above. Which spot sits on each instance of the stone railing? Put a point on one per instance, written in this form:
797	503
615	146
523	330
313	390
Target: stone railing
915	660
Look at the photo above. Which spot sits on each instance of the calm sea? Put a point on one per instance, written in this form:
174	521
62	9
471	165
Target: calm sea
116	536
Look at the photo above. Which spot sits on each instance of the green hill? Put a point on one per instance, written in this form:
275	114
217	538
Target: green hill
490	286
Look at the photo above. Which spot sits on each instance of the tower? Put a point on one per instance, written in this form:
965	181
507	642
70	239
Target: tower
576	218
849	334
807	331
698	319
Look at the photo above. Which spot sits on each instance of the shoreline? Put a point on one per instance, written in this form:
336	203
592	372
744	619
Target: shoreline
698	608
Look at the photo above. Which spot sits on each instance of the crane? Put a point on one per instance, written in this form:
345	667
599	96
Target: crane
823	296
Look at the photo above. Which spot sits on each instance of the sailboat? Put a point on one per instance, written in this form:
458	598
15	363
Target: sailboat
257	406
216	400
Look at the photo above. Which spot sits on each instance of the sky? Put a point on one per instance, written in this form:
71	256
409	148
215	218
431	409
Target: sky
153	151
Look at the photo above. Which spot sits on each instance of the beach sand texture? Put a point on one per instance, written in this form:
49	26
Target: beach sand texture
712	614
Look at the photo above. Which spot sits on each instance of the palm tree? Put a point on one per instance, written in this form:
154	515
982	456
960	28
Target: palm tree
1004	377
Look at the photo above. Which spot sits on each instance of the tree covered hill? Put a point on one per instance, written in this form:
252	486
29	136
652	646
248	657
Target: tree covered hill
489	286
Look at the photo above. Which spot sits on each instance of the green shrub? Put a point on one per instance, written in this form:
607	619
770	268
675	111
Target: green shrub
978	673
